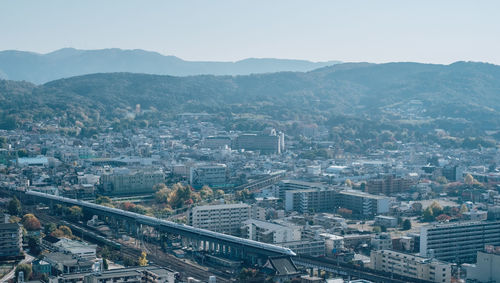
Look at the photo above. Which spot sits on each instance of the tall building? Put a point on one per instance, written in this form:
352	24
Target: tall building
363	204
487	266
213	175
217	142
410	265
458	242
124	181
388	185
266	143
11	240
268	232
223	218
310	200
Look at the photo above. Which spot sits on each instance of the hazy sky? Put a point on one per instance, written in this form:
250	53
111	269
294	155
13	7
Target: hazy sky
436	31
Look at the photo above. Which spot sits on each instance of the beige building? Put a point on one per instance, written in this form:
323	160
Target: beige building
223	218
410	265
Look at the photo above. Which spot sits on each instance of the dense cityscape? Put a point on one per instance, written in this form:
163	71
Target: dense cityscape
417	212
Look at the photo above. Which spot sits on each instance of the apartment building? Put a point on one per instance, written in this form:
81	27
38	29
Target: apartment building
11	240
213	175
123	181
223	218
458	242
268	232
410	265
362	204
486	267
291	185
266	144
310	200
388	185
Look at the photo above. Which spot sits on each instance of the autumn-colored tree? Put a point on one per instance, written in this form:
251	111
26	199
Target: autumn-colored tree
206	193
62	231
128	206
161	195
469	180
75	212
30	222
436	208
348	183
142	259
463	208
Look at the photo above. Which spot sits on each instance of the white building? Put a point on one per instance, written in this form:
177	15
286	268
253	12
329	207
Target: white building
223	218
333	243
268	232
458	242
410	265
381	242
487	266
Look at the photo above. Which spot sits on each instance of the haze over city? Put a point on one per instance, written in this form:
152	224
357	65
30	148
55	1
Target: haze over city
249	141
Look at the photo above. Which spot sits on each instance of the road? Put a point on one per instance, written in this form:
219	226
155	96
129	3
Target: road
10	275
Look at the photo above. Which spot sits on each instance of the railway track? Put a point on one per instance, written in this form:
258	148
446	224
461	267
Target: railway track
160	258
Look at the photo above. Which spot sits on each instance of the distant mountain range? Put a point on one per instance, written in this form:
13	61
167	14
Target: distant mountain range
69	62
462	98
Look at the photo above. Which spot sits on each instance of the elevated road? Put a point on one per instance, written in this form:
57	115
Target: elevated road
240	247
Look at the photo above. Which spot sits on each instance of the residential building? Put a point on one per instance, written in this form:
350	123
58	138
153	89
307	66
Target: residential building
307	247
381	242
223	218
123	181
310	200
289	185
410	265
213	175
458	242
333	243
386	221
487	265
268	232
11	240
217	142
362	204
388	185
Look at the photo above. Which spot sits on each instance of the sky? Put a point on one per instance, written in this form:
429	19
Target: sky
429	31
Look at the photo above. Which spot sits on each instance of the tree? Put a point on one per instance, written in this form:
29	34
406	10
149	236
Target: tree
469	180
348	183
62	231
406	224
14	206
142	259
428	215
463	209
218	194
436	208
377	229
75	213
206	193
49	228
105	264
442	180
30	222
26	269
162	193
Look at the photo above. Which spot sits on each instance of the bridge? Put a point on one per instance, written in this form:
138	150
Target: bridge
199	239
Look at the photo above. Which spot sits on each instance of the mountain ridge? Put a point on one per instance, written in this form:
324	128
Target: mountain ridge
68	62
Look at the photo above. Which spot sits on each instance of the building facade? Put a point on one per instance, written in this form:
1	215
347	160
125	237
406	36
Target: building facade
213	175
410	265
362	204
11	240
268	232
223	218
458	242
124	181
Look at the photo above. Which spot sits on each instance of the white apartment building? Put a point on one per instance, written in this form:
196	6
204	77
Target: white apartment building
458	242
223	218
410	265
268	232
